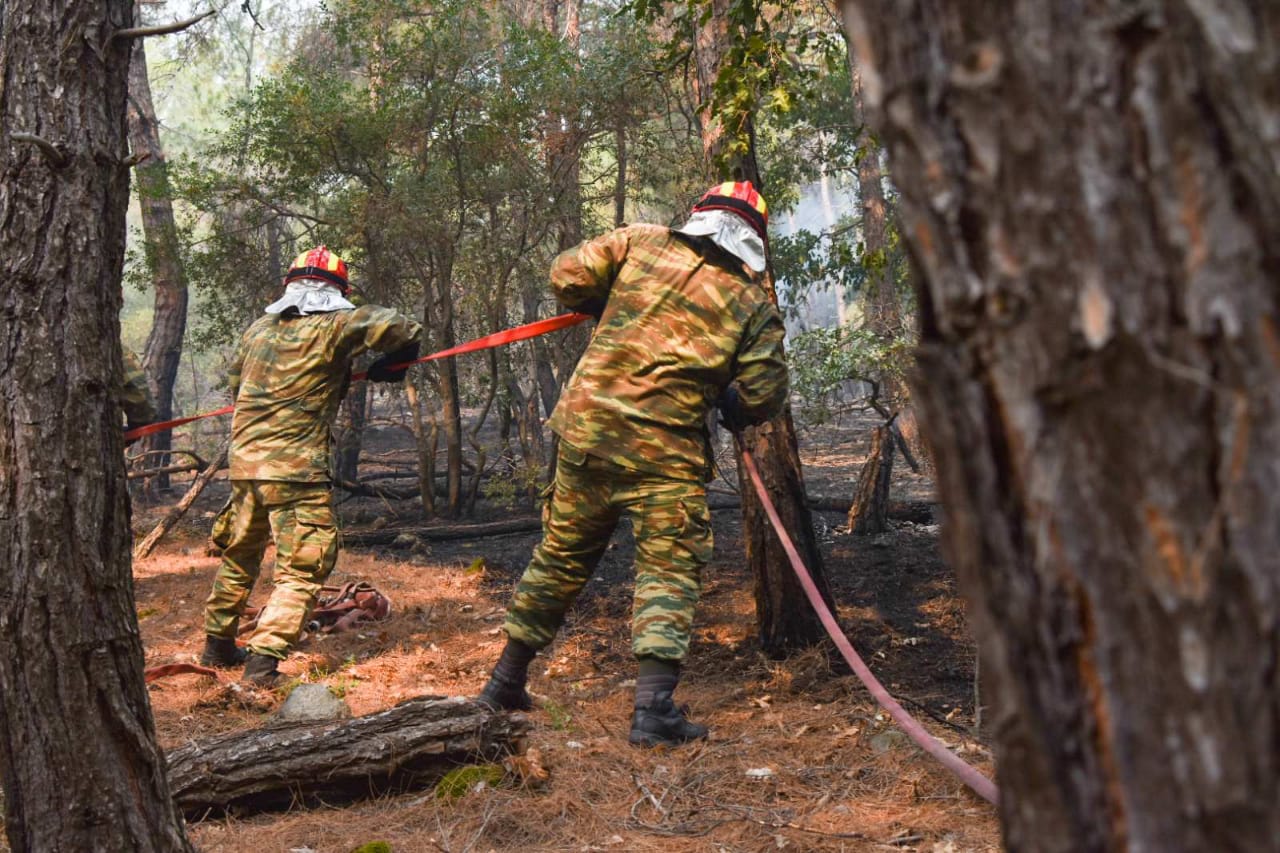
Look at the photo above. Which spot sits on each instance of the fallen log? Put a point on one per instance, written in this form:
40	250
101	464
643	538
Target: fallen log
917	512
166	469
386	536
402	748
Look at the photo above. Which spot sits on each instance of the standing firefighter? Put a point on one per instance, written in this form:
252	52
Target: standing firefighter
135	395
288	378
683	326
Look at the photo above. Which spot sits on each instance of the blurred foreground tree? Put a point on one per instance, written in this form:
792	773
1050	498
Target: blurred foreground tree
1091	196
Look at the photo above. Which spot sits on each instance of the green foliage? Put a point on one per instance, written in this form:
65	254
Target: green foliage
373	847
559	714
825	361
519	480
416	138
461	780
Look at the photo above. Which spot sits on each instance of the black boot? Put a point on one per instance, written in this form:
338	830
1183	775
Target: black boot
663	723
505	690
499	695
221	652
261	670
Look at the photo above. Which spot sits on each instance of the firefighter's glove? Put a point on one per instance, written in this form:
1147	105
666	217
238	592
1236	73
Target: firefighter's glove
380	370
731	415
592	307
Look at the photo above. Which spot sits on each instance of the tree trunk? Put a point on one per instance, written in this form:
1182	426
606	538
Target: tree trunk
452	423
544	375
155	198
620	182
784	618
80	765
869	513
425	441
351	418
880	292
1092	201
402	748
564	141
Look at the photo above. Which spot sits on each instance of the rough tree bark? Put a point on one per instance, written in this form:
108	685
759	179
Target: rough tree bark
1092	201
80	765
164	345
784	619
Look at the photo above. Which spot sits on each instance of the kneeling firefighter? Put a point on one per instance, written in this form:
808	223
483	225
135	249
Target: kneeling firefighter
288	378
683	325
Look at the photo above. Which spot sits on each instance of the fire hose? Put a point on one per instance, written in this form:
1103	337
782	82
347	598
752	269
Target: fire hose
979	783
507	336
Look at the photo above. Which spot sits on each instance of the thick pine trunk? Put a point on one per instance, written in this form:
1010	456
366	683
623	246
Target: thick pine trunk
77	749
785	620
169	324
1092	201
402	748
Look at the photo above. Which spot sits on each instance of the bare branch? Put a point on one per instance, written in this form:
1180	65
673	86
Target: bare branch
54	154
162	29
248	8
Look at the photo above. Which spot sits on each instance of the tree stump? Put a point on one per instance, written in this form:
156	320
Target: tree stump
869	513
402	748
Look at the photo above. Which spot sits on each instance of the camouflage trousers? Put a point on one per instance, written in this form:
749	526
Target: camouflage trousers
300	518
673	542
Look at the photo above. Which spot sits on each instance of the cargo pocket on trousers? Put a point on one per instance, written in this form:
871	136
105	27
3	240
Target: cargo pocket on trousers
696	535
220	533
546	495
315	542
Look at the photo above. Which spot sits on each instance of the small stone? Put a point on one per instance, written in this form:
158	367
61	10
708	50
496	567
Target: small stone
888	740
312	703
404	540
380	522
760	773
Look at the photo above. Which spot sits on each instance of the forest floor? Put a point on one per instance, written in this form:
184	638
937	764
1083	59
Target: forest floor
799	757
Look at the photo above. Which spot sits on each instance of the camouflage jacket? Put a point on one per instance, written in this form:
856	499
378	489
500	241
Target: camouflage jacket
681	320
135	393
288	379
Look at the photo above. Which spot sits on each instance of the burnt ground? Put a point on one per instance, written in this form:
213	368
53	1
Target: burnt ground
830	771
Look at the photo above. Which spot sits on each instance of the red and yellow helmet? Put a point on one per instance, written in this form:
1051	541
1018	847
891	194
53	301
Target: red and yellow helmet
741	198
322	264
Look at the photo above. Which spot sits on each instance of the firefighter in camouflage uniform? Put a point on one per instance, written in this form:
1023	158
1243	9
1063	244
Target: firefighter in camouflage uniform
288	378
683	325
135	395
